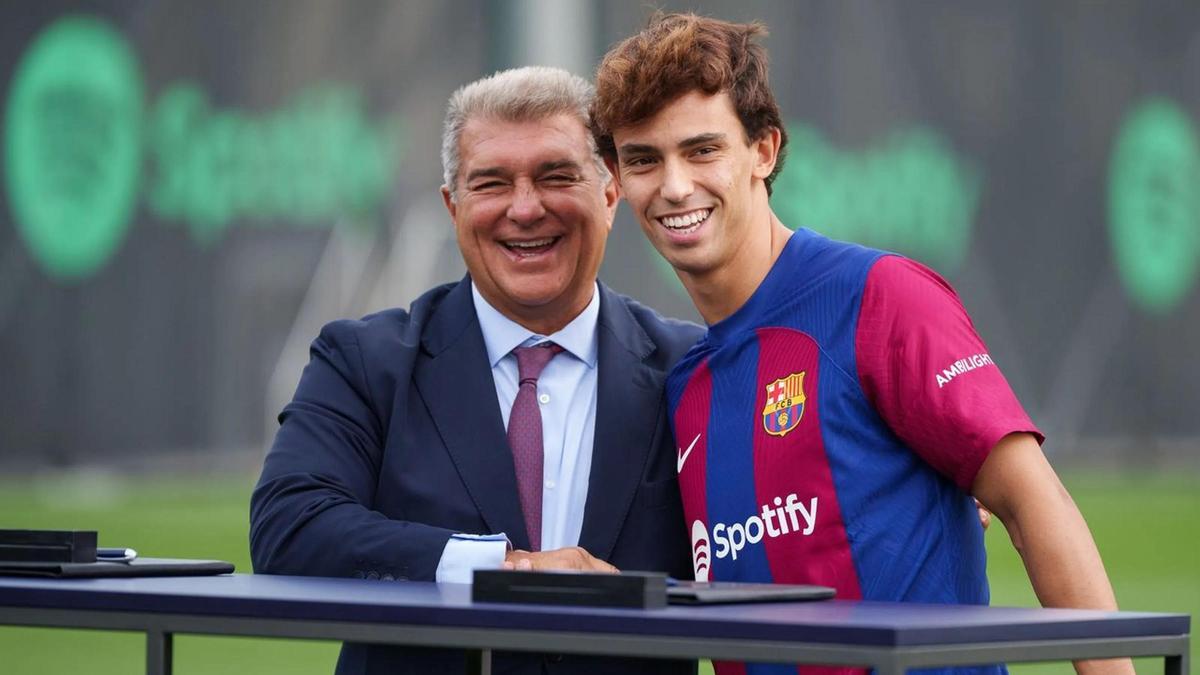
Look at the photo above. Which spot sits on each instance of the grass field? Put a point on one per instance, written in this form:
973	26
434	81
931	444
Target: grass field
1146	527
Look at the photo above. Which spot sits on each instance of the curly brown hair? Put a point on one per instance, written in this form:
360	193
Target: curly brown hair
679	53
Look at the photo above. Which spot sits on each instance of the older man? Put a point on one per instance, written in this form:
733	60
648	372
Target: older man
525	400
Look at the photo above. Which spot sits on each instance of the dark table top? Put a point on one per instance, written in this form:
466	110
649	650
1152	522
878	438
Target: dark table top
449	605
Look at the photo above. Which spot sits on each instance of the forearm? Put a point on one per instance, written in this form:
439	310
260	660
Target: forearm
1065	569
299	526
1048	531
1059	553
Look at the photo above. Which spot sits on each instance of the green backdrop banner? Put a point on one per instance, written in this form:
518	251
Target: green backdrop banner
173	171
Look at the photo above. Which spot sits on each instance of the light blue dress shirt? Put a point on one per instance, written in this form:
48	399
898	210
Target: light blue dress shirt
567	396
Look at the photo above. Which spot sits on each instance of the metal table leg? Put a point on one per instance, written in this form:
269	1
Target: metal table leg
159	647
479	662
1176	665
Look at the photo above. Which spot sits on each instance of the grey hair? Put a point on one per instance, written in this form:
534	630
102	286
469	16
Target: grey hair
524	94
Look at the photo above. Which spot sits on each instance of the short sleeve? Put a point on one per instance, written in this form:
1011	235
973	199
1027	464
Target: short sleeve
929	374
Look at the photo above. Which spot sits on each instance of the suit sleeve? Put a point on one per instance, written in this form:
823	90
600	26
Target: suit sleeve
310	513
929	374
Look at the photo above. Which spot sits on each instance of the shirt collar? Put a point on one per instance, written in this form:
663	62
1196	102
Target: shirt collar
501	334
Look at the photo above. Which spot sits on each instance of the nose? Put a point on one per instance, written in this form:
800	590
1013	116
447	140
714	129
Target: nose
526	206
677	183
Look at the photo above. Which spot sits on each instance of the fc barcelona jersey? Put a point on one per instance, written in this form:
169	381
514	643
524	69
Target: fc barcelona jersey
829	432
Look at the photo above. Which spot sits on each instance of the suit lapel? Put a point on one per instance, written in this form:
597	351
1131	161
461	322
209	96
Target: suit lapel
629	398
454	379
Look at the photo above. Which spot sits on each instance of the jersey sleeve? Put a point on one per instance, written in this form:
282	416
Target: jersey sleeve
928	373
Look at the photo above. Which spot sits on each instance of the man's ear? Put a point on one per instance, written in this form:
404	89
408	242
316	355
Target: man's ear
612	199
611	163
449	202
766	150
612	191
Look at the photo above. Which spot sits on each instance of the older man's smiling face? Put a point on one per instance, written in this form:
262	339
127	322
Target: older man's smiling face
532	214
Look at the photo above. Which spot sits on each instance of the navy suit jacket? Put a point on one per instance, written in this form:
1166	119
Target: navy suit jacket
394	441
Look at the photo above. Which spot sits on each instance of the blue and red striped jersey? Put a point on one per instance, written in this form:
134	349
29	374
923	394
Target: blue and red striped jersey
829	432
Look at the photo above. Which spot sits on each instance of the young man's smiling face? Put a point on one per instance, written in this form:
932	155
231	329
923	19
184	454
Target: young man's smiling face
695	182
532	213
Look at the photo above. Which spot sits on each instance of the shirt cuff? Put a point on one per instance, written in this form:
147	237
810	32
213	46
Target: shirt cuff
465	553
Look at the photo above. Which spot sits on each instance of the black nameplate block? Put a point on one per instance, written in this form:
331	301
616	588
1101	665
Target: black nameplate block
647	590
69	546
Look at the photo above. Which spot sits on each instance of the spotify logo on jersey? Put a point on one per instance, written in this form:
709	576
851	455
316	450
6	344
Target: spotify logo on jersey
72	145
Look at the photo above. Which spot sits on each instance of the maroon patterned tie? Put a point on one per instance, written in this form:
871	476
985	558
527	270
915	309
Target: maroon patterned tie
525	436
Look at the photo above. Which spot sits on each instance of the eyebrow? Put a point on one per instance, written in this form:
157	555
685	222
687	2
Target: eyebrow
489	172
689	142
701	139
636	149
544	167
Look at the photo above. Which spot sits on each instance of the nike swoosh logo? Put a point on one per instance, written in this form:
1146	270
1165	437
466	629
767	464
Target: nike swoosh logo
683	455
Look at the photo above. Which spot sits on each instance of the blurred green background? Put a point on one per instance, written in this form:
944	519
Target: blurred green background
161	281
1144	523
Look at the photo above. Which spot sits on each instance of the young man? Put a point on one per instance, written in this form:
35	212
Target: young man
841	410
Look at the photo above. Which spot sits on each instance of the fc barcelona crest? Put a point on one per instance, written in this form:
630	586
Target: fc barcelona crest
785	404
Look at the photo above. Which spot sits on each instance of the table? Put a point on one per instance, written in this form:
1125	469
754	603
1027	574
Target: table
887	636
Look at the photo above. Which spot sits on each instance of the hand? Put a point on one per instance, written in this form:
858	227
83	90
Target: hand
985	516
573	558
1105	667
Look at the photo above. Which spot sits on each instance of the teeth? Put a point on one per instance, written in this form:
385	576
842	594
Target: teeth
686	220
531	244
